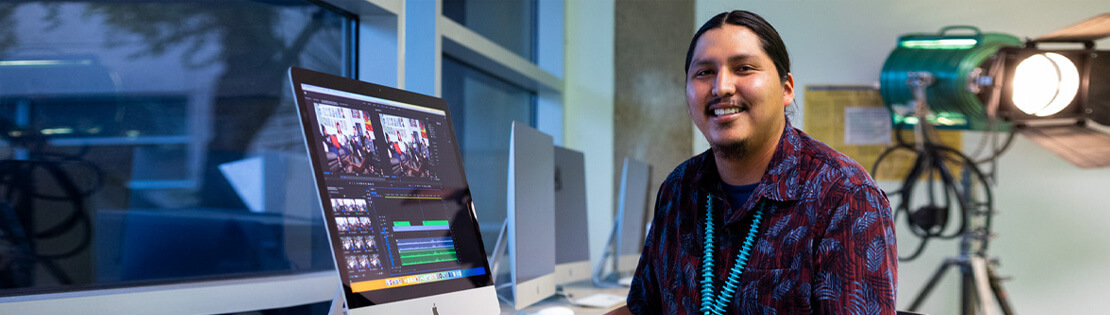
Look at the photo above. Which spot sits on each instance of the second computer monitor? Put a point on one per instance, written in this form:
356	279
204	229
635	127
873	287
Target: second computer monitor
531	215
632	213
572	251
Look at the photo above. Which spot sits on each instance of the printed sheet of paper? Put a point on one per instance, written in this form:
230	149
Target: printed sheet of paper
850	119
867	126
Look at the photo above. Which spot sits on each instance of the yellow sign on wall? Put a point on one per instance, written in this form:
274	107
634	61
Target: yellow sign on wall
853	120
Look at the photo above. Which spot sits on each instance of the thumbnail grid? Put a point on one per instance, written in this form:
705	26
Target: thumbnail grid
356	230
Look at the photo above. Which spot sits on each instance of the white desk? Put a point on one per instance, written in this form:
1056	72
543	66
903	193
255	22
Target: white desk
576	290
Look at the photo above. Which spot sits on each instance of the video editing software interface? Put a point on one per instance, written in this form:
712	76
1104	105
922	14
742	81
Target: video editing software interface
393	185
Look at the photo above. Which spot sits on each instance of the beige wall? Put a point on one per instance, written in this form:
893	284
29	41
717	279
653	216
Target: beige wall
588	107
651	121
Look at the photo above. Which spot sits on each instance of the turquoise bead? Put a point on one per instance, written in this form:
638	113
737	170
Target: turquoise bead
713	303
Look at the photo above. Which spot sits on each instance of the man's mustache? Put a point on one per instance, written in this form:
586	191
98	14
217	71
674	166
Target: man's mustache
728	102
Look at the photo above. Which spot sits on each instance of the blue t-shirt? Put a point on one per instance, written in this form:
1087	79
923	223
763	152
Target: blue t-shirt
738	195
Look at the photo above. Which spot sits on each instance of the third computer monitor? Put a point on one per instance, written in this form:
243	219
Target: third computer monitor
531	215
572	253
632	213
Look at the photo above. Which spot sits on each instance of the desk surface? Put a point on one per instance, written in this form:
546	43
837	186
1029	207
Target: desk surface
576	290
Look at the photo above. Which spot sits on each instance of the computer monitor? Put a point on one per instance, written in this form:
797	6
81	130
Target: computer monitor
396	202
626	240
572	238
632	212
530	219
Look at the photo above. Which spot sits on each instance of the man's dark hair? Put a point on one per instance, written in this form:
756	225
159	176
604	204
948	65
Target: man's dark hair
768	37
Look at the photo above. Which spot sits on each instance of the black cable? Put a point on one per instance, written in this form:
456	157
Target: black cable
898	135
19	185
21	192
79	215
1005	147
906	199
989	195
933	159
53	166
917	252
72	194
882	156
950	187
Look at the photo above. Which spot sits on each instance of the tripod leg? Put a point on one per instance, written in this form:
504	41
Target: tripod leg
999	292
983	284
929	286
967	290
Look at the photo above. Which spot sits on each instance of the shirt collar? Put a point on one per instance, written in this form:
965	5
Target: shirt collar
779	183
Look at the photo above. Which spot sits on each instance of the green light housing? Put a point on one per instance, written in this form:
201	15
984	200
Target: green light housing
959	64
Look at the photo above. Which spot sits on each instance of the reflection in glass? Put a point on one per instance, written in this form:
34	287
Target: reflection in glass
509	23
483	108
153	140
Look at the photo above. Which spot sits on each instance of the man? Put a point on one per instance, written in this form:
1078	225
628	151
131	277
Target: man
768	220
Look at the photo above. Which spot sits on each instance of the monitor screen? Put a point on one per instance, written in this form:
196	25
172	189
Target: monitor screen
572	252
531	215
394	194
632	212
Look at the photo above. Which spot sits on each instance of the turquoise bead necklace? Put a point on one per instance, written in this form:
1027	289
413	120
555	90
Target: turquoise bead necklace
711	303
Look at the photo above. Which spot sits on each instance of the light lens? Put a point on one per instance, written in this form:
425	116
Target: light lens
1045	84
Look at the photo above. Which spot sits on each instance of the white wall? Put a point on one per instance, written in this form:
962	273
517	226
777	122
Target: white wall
588	107
1050	229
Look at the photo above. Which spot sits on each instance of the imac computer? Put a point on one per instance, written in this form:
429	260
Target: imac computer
396	203
572	238
622	252
529	229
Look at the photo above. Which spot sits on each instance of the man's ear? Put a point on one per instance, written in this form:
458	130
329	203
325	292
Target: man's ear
788	90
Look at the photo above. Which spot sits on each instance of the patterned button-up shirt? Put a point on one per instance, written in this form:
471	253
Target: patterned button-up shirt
825	245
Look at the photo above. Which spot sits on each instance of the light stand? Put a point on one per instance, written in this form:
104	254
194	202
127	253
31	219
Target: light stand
1032	89
979	281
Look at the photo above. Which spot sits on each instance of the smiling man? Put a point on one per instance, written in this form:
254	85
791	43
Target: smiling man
768	220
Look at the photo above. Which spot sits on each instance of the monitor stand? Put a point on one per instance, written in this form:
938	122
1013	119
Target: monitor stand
500	250
338	304
519	295
604	277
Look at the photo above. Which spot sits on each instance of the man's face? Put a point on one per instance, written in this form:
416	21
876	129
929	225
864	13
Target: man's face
734	92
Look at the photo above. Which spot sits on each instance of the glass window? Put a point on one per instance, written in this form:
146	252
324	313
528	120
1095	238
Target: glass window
509	23
157	141
483	108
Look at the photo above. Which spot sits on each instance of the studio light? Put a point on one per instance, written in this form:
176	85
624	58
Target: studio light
1063	85
1044	84
1047	89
